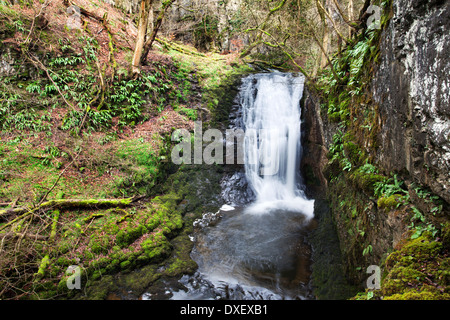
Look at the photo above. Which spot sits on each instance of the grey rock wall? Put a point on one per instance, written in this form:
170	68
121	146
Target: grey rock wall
412	89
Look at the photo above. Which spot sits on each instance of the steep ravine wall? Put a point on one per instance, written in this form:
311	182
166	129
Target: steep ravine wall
412	89
409	97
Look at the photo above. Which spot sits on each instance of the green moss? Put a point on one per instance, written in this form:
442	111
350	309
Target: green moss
156	246
99	244
423	248
418	295
389	203
366	181
419	270
401	277
44	290
64	261
93	216
42	267
126	237
353	152
334	117
125	264
169	201
180	266
101	288
181	262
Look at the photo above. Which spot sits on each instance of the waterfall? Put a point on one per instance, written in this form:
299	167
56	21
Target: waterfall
253	247
271	118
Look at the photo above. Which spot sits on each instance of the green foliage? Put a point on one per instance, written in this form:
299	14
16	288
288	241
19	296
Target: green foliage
353	70
336	148
76	76
428	197
368	168
357	55
420	224
345	164
66	61
190	113
367	250
389	187
52	153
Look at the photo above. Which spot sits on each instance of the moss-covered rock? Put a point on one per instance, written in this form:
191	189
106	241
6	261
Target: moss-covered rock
366	181
413	294
390	202
353	152
419	270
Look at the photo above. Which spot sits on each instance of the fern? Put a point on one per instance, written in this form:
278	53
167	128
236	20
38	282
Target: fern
33	87
358	53
389	187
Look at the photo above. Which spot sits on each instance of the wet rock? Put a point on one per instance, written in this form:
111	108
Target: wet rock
412	89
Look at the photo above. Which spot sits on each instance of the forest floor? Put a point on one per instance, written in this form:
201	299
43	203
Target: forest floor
75	129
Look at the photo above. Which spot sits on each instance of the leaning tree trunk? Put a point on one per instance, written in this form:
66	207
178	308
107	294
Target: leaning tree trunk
142	32
156	26
350	16
325	36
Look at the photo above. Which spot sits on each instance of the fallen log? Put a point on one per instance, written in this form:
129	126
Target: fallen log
178	48
74	203
66	204
32	236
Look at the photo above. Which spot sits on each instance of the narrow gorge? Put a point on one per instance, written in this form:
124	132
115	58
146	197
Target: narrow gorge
117	121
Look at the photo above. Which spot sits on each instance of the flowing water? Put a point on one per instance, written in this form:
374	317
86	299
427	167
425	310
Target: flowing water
253	248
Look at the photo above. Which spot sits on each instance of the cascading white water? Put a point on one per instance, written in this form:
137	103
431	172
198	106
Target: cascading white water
256	250
272	148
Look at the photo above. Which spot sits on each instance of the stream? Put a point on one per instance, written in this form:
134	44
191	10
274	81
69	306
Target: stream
254	247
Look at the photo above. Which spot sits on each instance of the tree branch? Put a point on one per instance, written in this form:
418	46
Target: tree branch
157	25
38	64
319	4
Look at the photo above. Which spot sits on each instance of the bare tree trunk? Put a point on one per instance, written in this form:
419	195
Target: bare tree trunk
324	49
350	16
320	6
157	24
346	19
325	37
142	32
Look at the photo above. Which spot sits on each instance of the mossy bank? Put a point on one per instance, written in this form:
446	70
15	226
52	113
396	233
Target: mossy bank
86	176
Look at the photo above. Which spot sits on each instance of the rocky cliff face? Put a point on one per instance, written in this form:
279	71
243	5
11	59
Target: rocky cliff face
412	90
409	97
